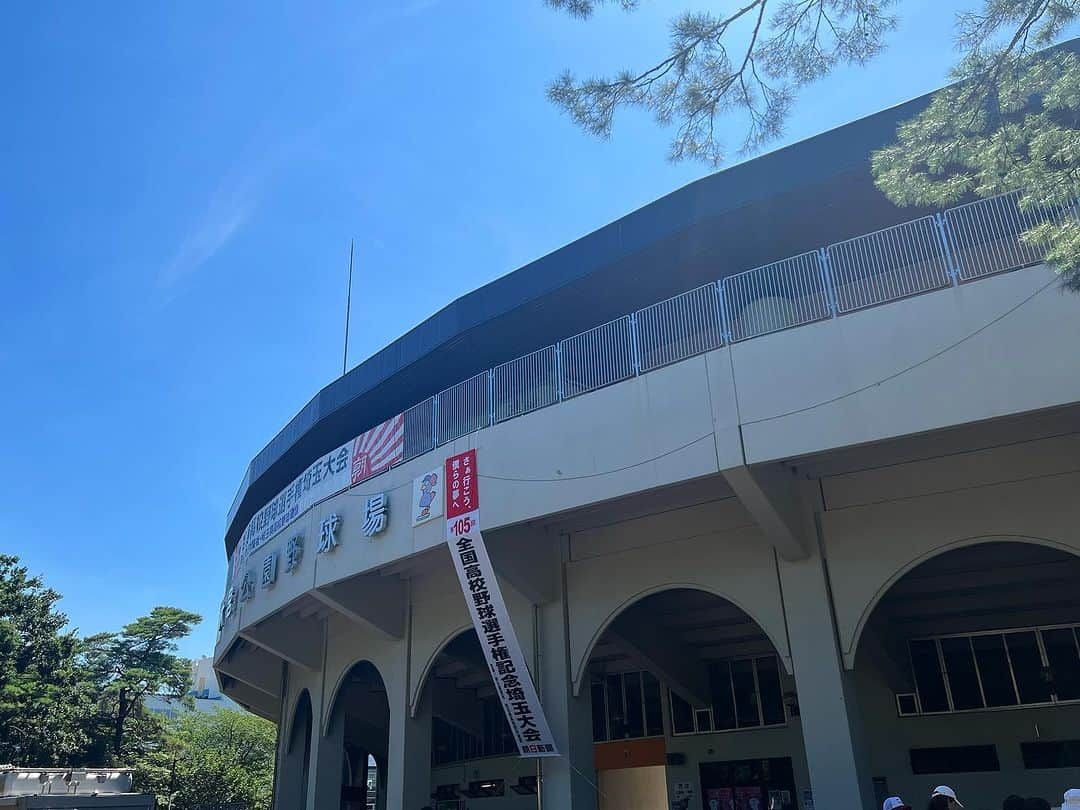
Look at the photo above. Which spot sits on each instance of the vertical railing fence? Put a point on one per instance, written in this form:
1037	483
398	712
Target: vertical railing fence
679	327
776	296
985	235
463	408
600	356
420	428
896	262
525	384
962	244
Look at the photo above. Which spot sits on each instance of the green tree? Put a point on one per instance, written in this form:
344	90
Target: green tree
46	697
209	759
1010	123
139	661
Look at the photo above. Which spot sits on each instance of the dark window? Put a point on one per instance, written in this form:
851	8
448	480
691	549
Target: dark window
907	704
615	714
746	698
1028	667
956	759
654	717
682	716
723	701
960	668
1059	754
994	670
745	693
599	713
703	720
772	698
1064	658
928	677
635	711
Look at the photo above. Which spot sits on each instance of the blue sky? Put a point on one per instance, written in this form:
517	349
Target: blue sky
180	184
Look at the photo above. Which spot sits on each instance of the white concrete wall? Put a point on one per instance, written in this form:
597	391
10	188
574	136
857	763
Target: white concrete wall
960	355
956	356
714	547
905	532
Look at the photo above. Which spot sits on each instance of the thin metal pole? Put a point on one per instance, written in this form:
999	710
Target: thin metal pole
348	306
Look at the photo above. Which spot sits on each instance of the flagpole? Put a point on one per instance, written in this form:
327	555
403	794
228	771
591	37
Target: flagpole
348	306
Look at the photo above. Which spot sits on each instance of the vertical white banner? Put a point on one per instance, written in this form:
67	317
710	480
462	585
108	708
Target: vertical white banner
502	651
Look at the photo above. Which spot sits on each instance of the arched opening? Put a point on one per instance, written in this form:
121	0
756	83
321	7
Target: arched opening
968	673
296	759
690	701
473	753
360	722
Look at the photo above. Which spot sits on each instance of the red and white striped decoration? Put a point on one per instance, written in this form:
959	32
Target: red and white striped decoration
378	449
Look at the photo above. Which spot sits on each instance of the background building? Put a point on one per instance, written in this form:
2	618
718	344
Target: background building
778	483
205	695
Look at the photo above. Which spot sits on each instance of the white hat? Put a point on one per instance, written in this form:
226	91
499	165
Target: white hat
1072	800
894	802
945	790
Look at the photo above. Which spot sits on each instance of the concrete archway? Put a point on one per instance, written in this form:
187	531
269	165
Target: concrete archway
473	752
356	735
683	669
921	559
296	756
581	666
967	670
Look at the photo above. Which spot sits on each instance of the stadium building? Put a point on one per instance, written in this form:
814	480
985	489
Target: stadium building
778	491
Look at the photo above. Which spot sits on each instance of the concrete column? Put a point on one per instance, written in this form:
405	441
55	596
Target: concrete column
569	780
327	767
406	771
827	705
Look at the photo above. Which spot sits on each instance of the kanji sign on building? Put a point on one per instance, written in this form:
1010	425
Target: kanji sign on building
372	452
502	651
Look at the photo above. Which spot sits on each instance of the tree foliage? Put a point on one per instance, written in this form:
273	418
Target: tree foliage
747	62
66	701
1009	123
210	759
45	697
138	661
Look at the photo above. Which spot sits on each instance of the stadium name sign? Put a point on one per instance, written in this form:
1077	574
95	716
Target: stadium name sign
369	454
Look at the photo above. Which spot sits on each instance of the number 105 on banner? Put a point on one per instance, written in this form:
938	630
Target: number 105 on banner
464	525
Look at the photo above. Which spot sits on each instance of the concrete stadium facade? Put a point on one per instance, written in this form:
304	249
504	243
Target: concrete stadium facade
802	560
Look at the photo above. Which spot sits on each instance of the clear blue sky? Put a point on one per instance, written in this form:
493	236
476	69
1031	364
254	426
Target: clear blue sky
180	183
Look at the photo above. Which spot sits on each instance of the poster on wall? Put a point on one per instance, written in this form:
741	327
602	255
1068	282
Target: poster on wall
372	452
427	500
502	651
720	799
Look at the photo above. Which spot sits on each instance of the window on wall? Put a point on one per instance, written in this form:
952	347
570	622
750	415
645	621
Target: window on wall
745	693
626	706
955	759
1023	667
449	743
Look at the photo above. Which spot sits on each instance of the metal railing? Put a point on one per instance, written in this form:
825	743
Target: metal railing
420	428
985	235
601	356
962	244
463	408
679	327
777	296
896	262
527	383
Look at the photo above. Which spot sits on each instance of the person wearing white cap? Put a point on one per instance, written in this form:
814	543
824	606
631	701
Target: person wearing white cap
895	803
1072	800
944	798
